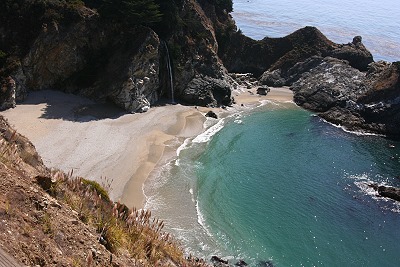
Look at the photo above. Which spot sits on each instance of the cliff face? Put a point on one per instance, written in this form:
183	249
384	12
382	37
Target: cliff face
93	57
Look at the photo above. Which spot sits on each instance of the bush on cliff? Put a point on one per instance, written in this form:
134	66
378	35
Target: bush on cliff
131	12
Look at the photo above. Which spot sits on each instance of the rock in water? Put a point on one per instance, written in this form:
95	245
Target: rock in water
390	192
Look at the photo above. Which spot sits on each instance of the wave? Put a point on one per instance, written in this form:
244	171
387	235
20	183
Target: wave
343	128
209	133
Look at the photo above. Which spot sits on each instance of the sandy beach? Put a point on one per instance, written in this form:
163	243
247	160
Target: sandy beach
100	141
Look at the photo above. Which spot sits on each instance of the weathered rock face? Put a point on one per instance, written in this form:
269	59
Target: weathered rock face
344	95
7	96
200	76
332	83
136	87
355	53
103	61
94	61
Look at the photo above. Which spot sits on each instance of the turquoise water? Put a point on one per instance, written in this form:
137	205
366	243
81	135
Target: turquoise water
279	184
376	21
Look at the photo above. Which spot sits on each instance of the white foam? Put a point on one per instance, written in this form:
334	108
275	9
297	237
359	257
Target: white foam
209	133
358	133
183	146
363	182
201	220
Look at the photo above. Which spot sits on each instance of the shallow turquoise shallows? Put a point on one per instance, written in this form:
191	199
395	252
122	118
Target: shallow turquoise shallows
280	185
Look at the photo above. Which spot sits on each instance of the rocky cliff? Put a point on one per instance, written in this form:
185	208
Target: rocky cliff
79	50
184	55
367	101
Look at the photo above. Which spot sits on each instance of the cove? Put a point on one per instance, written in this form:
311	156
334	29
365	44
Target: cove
286	187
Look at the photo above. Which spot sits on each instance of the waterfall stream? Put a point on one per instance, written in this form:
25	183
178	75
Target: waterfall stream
169	68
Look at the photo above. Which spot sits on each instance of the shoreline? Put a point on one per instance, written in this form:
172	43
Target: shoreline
96	140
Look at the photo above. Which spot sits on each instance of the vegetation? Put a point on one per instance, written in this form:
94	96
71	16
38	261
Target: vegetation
131	12
226	5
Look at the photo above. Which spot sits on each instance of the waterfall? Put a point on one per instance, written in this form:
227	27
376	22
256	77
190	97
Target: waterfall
169	68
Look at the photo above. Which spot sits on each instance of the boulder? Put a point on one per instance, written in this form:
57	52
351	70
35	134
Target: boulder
207	91
211	114
219	262
263	90
241	263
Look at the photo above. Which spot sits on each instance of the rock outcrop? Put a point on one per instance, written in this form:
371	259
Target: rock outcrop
200	76
343	95
7	96
355	53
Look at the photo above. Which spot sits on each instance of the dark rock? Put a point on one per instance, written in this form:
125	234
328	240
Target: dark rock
390	192
207	91
7	94
356	53
387	191
263	90
218	262
45	182
211	114
272	78
241	263
332	83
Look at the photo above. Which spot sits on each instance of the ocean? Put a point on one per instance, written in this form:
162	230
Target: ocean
376	21
276	185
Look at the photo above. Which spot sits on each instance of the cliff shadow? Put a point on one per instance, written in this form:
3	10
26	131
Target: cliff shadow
69	107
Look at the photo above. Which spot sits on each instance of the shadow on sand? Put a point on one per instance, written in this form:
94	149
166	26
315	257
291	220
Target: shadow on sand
69	107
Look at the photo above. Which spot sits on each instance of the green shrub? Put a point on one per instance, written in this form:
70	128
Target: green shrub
98	188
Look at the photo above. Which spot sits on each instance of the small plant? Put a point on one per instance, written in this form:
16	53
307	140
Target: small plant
47	226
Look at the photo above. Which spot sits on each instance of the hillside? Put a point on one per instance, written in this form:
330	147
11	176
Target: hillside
49	218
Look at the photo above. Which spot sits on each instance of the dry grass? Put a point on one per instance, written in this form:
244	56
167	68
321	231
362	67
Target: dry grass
120	228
